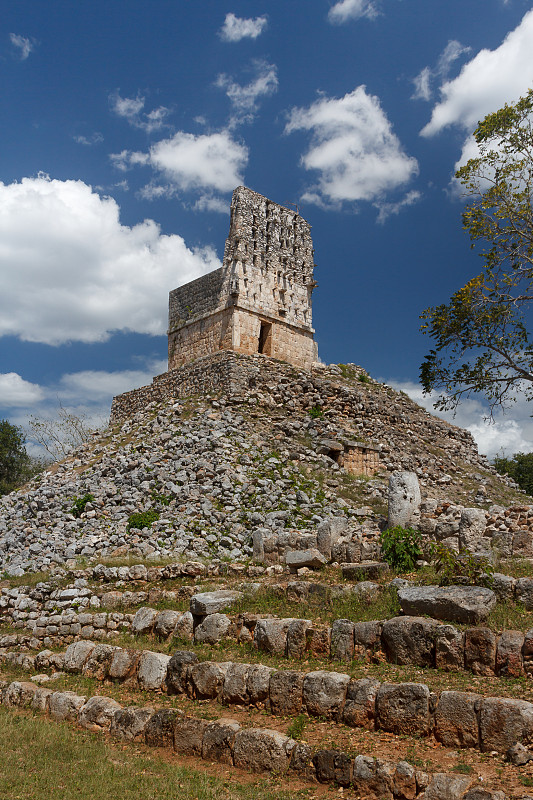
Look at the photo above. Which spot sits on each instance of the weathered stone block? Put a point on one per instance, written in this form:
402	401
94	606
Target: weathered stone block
373	778
212	629
360	705
97	713
367	638
129	723
219	739
509	654
178	669
324	693
205	603
123	665
234	688
364	571
297	637
159	730
165	622
404	499
443	786
98	662
152	670
184	627
65	705
403	708
189	735
76	655
270	635
503	722
480	651
465	604
207	679
143	621
409	640
286	691
524	592
258	683
456	719
342	640
262	750
332	766
449	648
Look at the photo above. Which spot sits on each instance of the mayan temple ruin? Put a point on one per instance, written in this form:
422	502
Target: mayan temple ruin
259	301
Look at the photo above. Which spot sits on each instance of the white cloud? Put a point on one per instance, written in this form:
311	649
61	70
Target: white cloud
423	80
72	272
97	386
488	81
353	148
387	210
131	108
211	203
346	10
208	161
508	434
23	45
236	28
15	391
88	141
244	98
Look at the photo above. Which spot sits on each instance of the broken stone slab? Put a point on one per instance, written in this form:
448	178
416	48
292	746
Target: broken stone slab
328	532
443	786
262	750
404	499
371	570
311	558
98	662
463	604
205	603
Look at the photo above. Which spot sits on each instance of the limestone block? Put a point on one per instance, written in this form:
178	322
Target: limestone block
404	781
456	721
471	530
159	729
143	621
184	628
444	786
523	544
129	724
464	604
188	735
367	638
258	683
178	670
297	637
123	664
98	662
212	629
328	532
360	705
165	622
409	640
65	705
324	693
403	708
478	793
404	499
503	586
302	761
365	570
509	654
97	713
207	678
319	640
503	722
219	739
312	558
270	635
41	700
262	750
205	603
152	670
342	640
76	655
333	766
449	648
285	691
524	592
480	651
234	689
373	778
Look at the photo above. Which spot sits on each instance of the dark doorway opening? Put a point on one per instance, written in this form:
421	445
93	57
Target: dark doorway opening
265	339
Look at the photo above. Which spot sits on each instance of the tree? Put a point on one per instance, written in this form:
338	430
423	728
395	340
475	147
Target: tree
14	460
62	434
519	468
482	345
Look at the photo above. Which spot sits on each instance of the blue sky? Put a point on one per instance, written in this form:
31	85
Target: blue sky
125	127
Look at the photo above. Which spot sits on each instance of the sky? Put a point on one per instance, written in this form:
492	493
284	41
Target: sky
126	125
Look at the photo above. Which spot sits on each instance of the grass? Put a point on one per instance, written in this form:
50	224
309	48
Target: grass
41	758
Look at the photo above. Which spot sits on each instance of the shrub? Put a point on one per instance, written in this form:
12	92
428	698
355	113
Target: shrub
79	504
464	568
401	547
142	519
316	412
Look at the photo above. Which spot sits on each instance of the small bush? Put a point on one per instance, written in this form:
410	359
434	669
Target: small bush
297	726
363	378
79	504
464	568
142	519
401	547
316	412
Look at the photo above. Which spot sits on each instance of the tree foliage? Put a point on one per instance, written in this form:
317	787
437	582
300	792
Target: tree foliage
520	468
481	343
14	461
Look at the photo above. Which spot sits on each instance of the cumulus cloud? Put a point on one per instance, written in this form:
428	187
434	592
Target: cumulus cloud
15	391
97	386
23	45
353	149
88	141
345	10
81	274
426	76
131	109
236	28
387	210
488	81
244	98
509	433
189	162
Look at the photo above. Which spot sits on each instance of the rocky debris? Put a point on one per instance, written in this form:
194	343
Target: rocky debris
464	604
404	499
366	570
311	558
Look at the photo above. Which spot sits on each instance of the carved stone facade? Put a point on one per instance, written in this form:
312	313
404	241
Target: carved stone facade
259	301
